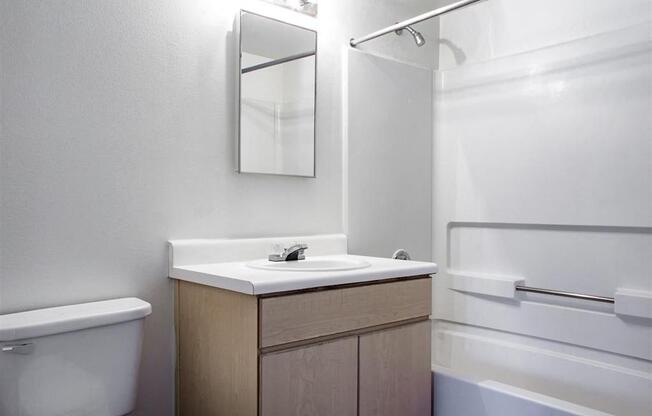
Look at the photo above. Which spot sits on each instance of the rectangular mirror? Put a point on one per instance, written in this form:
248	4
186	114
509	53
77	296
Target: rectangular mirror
276	100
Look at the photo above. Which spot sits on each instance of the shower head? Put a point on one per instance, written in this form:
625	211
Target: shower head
418	37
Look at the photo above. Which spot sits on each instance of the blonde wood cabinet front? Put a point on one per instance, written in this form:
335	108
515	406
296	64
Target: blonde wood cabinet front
339	351
317	380
395	375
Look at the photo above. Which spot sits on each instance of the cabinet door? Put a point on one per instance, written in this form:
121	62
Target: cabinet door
395	372
316	380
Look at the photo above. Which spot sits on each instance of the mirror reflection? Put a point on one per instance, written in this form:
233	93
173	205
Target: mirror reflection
277	97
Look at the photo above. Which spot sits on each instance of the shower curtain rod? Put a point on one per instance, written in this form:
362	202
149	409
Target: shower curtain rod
401	25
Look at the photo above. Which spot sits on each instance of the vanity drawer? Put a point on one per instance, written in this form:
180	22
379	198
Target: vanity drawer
303	316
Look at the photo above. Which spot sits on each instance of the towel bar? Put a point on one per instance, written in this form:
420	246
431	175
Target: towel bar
562	293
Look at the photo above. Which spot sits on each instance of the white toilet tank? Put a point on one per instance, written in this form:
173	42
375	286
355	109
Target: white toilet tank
76	360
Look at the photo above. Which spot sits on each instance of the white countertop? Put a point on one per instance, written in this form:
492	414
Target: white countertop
223	263
240	277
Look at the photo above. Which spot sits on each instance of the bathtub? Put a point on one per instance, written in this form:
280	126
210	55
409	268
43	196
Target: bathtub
458	395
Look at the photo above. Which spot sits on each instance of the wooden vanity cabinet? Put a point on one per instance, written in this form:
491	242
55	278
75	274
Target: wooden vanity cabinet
357	350
395	372
319	379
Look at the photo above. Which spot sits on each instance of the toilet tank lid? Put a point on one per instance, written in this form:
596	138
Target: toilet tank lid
49	321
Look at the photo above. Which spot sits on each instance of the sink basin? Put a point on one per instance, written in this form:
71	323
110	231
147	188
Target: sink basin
314	264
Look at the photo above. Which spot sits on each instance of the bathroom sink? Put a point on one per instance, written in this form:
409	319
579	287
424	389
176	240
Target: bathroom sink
311	264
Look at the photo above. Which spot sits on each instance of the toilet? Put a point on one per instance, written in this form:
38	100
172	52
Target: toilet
74	360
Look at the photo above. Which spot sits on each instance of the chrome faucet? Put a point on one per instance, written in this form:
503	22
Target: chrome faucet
292	253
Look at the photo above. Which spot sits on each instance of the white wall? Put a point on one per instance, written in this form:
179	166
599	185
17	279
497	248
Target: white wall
388	192
389	156
543	171
117	135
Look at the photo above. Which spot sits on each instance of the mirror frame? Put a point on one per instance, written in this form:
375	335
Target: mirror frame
238	47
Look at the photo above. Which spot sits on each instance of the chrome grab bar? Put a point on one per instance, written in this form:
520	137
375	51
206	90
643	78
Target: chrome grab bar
562	293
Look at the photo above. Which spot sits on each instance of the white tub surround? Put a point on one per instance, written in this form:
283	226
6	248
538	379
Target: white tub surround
458	393
627	302
227	264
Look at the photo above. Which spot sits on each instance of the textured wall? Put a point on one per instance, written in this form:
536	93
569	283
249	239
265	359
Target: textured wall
117	135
